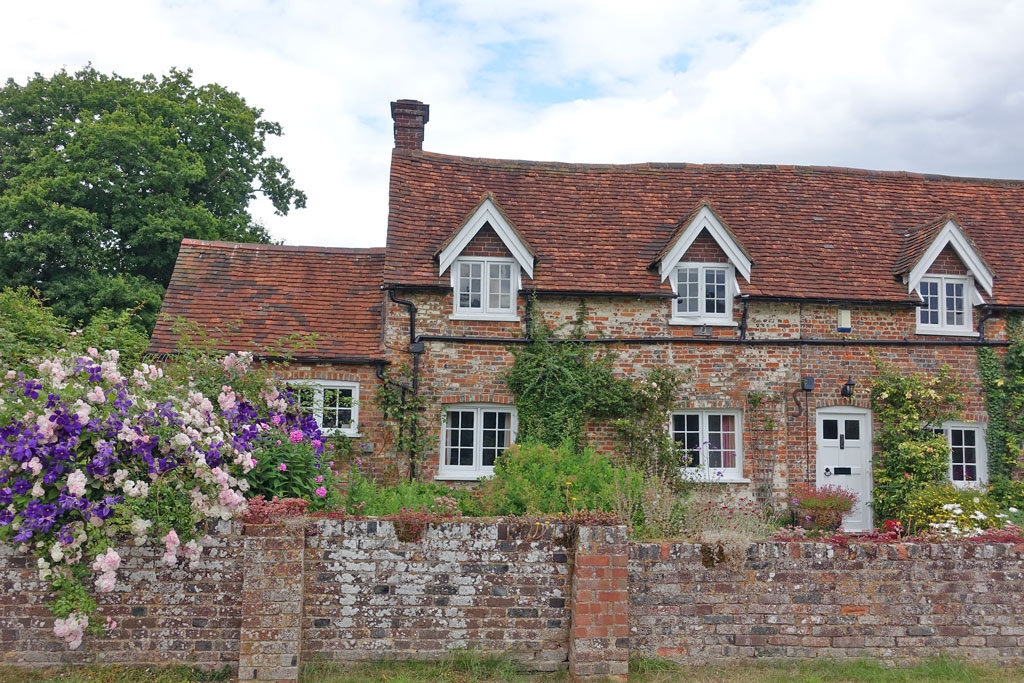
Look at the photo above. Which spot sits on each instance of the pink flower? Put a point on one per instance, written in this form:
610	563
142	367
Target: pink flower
319	478
321	492
317	443
276	419
295	436
282	467
330	446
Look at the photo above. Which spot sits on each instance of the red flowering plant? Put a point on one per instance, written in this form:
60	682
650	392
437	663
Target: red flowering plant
820	508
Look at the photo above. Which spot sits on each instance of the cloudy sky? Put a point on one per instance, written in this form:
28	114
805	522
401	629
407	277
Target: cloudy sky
922	85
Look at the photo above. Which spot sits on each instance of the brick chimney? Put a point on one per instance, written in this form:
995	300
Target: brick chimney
410	117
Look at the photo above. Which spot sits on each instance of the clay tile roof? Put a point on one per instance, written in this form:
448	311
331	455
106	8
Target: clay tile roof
685	223
258	293
487	196
813	232
917	241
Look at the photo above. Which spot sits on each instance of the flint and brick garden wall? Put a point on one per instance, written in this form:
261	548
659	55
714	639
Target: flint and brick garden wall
266	598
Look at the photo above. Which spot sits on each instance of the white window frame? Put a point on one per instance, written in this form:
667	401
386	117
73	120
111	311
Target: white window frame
965	330
704	472
318	386
477	470
980	456
701	317
485	312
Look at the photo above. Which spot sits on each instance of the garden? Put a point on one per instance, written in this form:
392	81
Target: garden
102	448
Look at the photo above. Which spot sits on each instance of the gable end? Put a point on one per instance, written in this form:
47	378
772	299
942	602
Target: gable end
704	220
487	213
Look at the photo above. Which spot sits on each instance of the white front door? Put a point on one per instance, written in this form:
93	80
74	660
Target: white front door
844	459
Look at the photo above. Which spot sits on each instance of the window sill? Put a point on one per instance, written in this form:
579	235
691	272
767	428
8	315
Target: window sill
500	318
459	476
702	479
340	432
696	322
946	332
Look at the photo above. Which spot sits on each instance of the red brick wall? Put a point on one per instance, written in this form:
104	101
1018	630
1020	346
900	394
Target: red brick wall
948	263
716	375
705	250
890	602
486	243
547	595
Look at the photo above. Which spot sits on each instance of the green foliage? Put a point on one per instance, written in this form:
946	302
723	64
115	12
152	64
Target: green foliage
30	330
290	470
559	384
102	176
401	409
909	455
533	478
168	506
1003	380
924	508
642	435
366	497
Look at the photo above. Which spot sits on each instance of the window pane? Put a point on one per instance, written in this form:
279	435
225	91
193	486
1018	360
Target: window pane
714	290
499	286
830	429
496	435
470	285
688	285
963	454
686	433
722	439
929	312
460	438
337	408
852	429
954	304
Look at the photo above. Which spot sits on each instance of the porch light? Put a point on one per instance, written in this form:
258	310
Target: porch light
847	390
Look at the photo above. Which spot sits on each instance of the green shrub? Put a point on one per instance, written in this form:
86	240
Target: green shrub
294	470
537	479
946	509
365	497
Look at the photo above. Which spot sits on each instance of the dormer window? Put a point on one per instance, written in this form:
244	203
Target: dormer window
704	293
702	261
941	264
487	258
944	308
485	287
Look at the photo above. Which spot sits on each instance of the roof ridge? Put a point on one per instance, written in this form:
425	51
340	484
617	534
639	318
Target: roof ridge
258	246
698	167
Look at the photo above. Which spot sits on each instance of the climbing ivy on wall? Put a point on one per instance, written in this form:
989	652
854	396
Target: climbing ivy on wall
1003	381
909	455
559	384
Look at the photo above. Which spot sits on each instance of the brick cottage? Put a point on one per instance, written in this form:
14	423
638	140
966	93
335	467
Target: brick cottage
780	282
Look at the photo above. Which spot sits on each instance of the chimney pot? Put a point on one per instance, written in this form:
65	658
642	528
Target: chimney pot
410	117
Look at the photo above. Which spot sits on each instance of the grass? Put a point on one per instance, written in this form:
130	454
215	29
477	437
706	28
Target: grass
467	667
111	673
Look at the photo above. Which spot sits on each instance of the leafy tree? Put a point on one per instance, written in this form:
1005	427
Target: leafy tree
102	176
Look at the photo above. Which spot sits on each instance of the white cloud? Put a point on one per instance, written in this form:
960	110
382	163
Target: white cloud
922	85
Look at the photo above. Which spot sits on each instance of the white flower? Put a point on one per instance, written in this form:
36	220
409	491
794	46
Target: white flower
1012	509
76	483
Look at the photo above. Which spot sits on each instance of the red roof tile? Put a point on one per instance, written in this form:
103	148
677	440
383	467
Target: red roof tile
258	293
813	232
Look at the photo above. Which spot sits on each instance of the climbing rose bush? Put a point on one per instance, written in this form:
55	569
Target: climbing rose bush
92	455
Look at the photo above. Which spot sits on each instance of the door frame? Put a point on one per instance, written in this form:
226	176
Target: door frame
819	415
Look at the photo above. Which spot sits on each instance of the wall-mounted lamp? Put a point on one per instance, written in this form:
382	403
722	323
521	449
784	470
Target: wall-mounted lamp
847	390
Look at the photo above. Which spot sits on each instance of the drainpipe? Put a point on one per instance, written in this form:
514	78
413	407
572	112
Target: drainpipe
745	298
416	349
981	322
